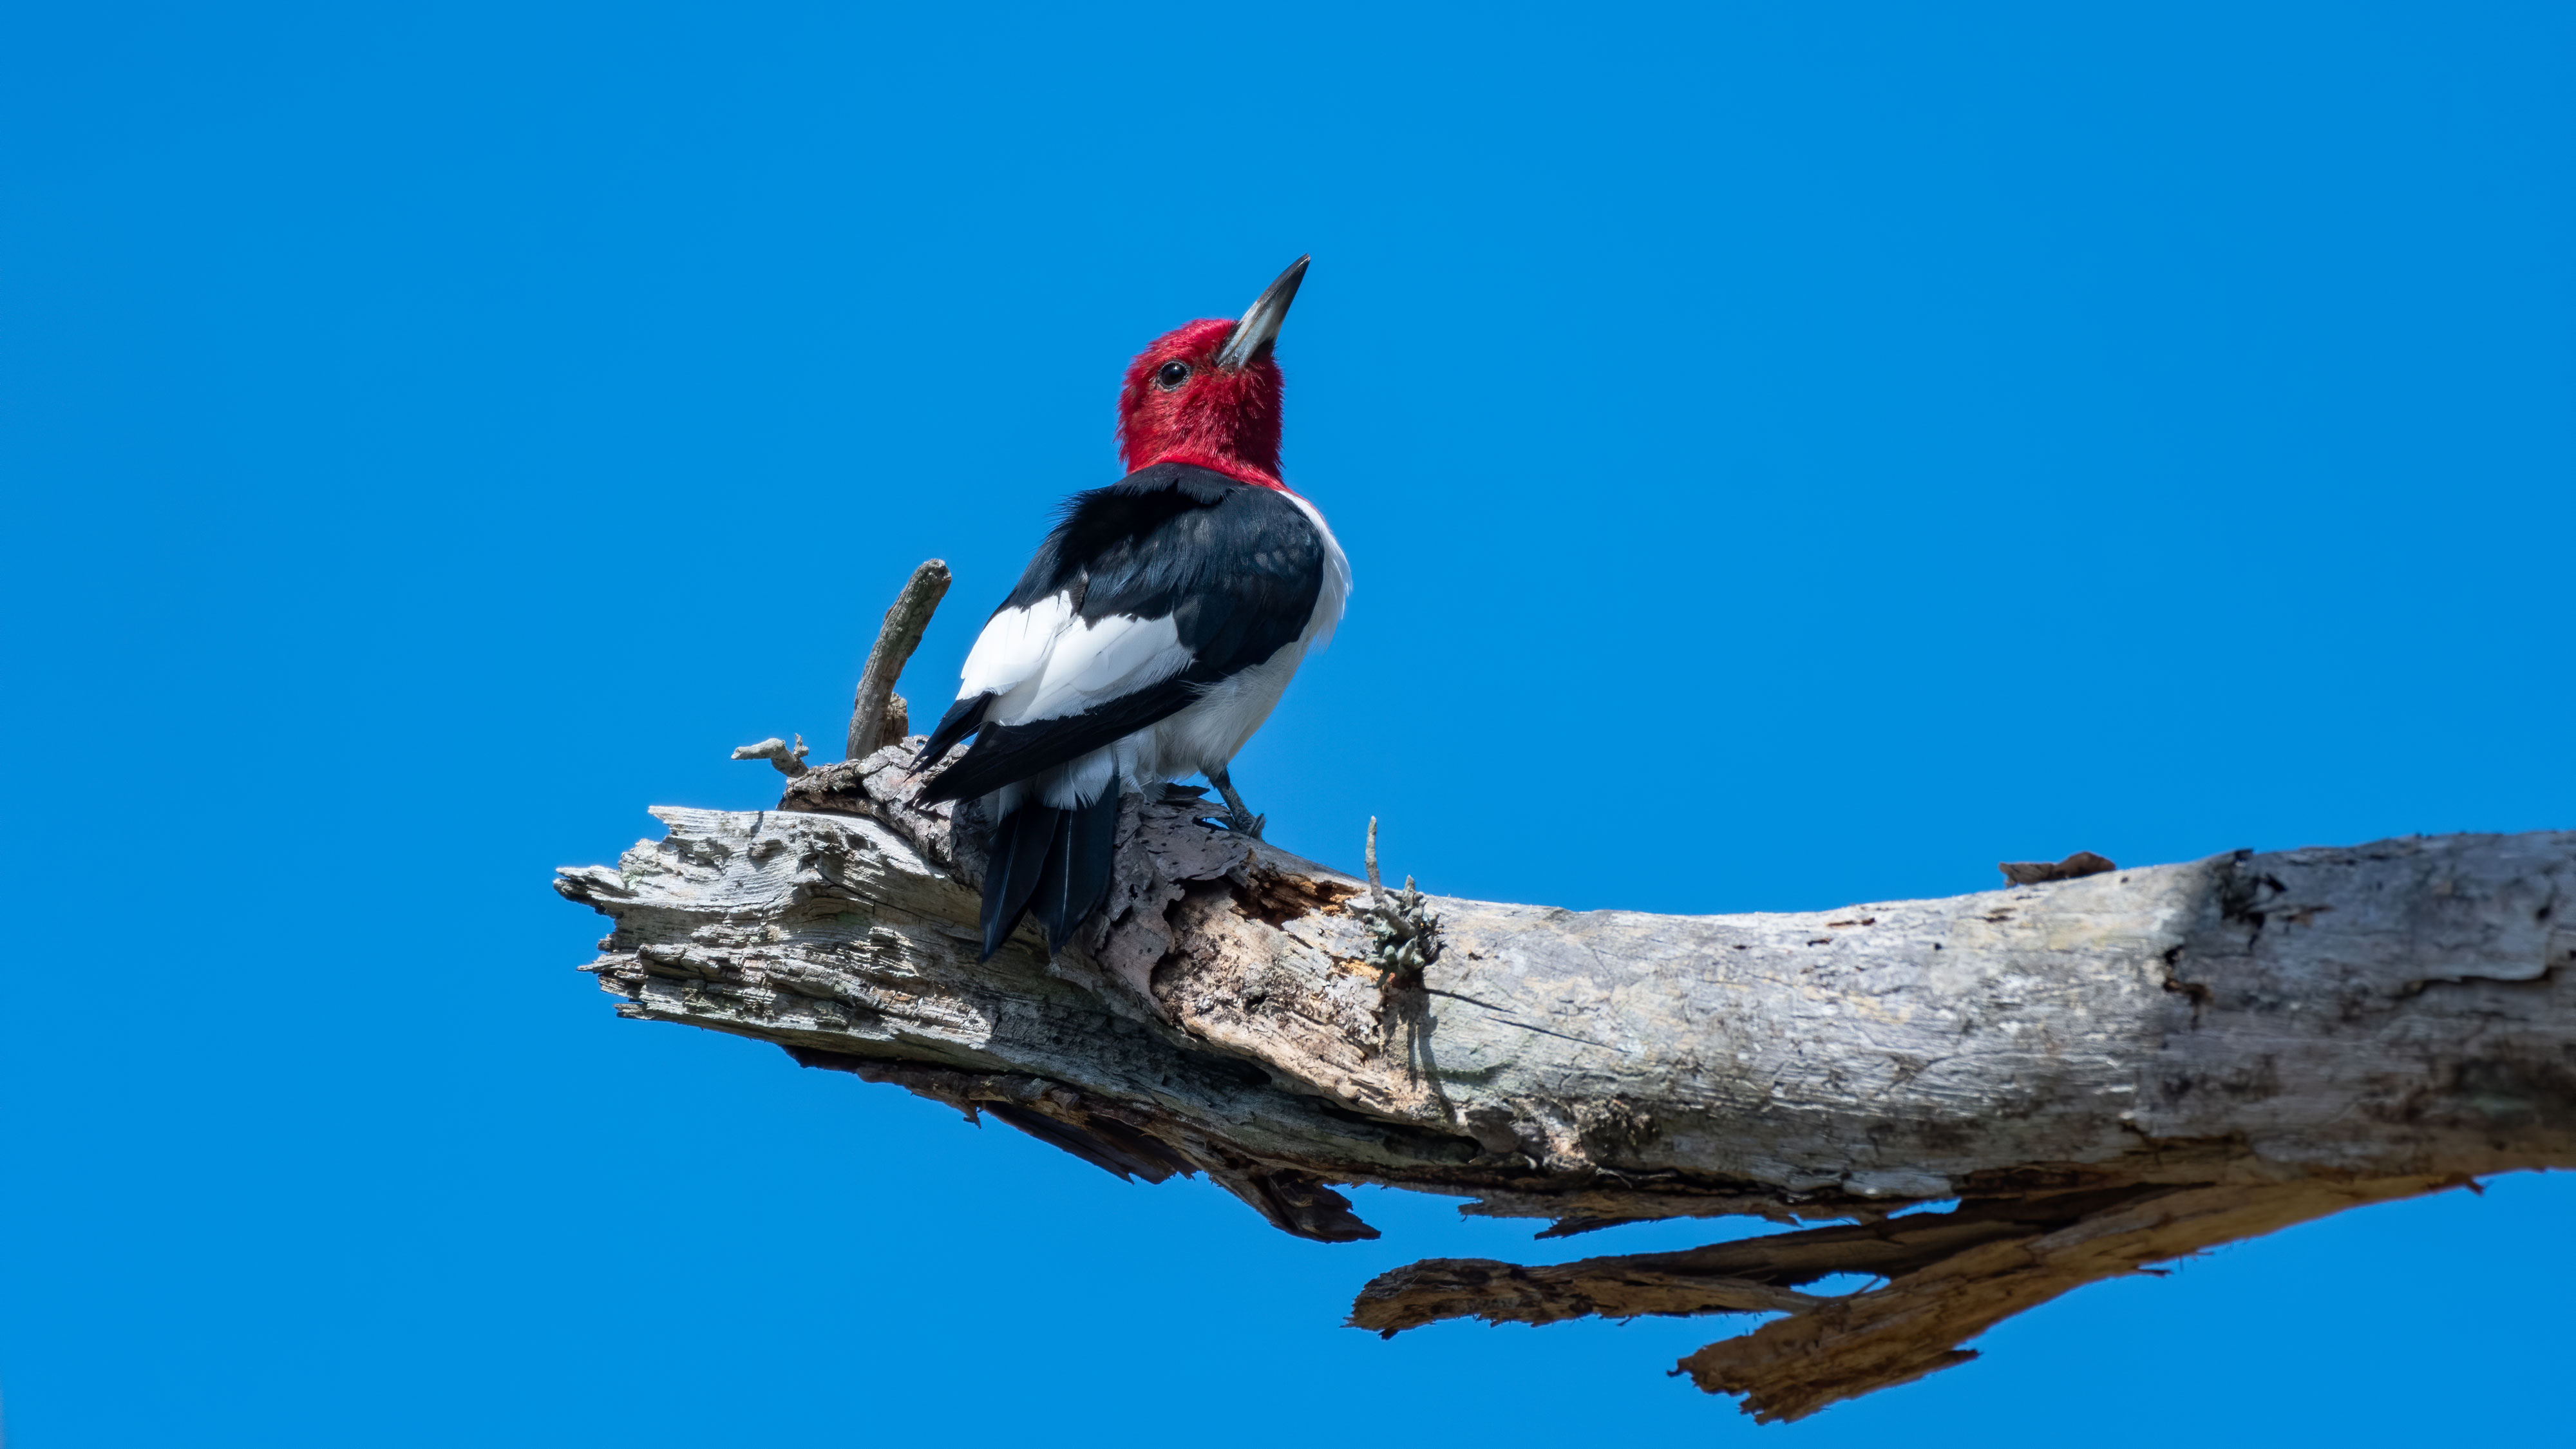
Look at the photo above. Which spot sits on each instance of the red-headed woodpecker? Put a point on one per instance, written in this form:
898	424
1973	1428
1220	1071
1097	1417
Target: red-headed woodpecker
1154	630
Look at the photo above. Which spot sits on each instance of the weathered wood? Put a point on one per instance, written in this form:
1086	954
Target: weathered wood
786	758
2104	1071
878	716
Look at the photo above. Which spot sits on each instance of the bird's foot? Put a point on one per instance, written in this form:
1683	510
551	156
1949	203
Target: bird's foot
1236	818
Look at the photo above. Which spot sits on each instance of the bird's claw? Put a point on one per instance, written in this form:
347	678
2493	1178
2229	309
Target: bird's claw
1235	818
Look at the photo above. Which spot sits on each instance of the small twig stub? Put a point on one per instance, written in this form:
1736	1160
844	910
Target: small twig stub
877	717
790	759
2035	872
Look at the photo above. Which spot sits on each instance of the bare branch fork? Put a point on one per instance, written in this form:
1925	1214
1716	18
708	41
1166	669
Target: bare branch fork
2094	1072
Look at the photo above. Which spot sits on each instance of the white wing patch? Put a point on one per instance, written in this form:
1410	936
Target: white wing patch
1093	663
1044	663
1013	647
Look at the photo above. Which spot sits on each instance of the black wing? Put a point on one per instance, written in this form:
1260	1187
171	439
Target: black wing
1236	568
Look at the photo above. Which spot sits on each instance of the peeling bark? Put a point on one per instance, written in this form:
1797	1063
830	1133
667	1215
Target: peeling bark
2102	1071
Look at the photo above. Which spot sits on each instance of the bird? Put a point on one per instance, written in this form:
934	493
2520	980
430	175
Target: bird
1153	631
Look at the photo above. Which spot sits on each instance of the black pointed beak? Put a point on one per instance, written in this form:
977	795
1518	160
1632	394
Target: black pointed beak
1260	326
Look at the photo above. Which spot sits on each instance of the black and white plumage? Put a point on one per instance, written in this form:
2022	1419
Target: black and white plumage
1149	638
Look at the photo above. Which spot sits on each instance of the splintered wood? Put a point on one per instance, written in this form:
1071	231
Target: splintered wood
2100	1072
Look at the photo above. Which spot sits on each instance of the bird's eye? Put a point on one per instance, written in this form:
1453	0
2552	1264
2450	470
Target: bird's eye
1171	375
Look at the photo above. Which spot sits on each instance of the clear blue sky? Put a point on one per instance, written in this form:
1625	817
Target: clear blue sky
1790	455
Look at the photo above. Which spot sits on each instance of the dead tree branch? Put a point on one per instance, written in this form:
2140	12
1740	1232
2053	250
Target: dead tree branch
788	759
878	716
2101	1072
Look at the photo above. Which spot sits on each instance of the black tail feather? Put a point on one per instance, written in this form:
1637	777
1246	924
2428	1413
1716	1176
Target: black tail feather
1022	841
963	718
1048	900
1051	861
1087	847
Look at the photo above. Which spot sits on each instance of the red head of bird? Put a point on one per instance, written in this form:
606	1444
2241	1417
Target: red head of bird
1207	392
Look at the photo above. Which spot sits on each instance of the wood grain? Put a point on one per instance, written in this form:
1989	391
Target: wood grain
2100	1072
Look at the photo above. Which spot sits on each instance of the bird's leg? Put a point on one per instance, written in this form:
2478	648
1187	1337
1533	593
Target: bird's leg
1237	819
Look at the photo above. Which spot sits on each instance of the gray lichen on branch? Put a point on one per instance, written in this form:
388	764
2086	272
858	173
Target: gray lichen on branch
1404	931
